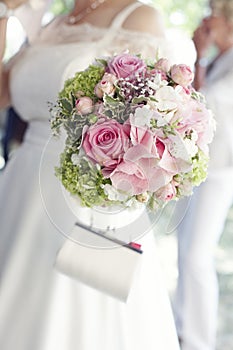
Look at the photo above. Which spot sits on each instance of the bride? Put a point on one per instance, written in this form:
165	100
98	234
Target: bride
40	308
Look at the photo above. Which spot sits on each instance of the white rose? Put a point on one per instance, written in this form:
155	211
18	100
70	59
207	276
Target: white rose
113	194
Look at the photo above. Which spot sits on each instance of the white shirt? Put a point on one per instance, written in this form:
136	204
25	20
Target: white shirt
219	95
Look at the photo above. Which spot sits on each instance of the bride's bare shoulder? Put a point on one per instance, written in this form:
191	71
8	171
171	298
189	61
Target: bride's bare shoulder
146	19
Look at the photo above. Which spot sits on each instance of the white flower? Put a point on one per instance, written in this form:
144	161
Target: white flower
113	194
157	82
76	158
133	204
191	147
142	116
194	135
185	188
179	148
168	98
164	119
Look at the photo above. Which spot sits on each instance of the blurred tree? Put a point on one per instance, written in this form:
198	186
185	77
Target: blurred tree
61	6
182	14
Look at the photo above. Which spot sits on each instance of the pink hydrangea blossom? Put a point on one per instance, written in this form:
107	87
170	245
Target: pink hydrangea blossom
200	120
139	172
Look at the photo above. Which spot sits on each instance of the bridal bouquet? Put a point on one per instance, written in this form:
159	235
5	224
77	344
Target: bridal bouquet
136	131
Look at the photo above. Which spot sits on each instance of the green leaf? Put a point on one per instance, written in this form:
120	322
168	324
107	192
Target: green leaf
140	99
102	61
66	105
74	99
110	100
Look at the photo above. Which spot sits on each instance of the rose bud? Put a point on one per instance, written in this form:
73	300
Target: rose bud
166	193
182	74
163	64
84	105
142	197
98	91
106	85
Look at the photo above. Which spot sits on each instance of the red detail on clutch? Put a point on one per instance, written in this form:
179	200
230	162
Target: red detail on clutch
135	245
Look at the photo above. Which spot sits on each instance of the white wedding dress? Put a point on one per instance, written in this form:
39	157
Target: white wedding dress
41	309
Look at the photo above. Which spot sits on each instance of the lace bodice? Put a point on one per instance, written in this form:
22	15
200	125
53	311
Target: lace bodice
61	50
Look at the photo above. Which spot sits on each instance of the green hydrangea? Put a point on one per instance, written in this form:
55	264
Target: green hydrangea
199	171
84	180
83	82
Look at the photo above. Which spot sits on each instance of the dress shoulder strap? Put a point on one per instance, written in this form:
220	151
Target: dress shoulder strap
122	15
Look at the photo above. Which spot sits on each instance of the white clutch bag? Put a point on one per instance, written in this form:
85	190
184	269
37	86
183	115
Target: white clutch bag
101	261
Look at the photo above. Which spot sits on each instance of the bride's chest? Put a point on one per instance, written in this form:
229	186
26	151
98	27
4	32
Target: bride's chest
44	69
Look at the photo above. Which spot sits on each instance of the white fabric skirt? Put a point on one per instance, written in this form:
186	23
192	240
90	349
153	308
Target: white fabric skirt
40	308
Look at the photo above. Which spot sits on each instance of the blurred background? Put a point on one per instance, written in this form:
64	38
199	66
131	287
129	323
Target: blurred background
181	18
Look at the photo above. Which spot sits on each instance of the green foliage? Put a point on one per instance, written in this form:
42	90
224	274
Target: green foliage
198	173
83	180
182	14
200	166
83	82
61	6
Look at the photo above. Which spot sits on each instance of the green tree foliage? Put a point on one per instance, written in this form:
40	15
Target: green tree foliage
182	14
61	6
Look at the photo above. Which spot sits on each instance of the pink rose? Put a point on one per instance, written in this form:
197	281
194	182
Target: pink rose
182	74
125	65
106	85
166	193
84	105
163	64
105	143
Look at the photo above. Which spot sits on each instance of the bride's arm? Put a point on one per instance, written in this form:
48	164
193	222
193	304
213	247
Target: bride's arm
4	71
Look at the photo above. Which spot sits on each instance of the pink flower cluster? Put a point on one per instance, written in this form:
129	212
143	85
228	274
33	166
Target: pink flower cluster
134	158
